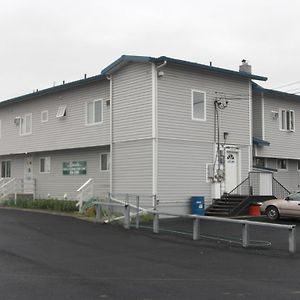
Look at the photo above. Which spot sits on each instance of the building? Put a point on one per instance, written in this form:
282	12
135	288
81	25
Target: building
274	124
159	127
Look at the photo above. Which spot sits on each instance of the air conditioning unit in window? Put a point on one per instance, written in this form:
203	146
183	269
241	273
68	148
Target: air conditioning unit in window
274	114
17	120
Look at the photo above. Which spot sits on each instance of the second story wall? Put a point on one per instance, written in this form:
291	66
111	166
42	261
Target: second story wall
175	106
283	143
67	132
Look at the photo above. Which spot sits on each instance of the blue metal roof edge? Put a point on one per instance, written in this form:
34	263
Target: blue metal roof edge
259	88
260	142
124	59
211	68
132	58
54	89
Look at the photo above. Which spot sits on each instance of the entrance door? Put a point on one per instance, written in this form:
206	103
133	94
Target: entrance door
231	170
28	175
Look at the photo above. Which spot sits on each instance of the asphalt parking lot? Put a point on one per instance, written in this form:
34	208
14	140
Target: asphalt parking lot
53	257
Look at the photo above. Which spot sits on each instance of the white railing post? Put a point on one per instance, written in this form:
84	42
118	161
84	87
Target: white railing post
292	242
196	229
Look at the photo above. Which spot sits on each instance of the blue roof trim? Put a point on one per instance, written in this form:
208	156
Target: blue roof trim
131	58
260	142
211	68
124	59
260	89
54	89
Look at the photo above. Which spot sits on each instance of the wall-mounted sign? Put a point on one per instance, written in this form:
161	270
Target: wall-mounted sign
74	168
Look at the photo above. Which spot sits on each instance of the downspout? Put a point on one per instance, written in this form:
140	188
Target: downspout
109	77
250	127
155	131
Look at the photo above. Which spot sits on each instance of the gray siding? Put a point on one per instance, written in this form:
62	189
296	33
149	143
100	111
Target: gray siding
174	106
55	183
283	144
185	146
132	167
132	102
55	134
132	130
182	173
257	116
289	178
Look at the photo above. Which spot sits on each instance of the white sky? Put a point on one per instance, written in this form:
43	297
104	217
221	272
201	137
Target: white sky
50	41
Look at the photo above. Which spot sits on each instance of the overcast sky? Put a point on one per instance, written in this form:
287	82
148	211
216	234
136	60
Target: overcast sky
43	42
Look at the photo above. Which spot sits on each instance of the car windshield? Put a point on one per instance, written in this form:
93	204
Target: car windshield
295	196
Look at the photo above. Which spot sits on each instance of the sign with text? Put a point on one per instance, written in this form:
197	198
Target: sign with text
74	168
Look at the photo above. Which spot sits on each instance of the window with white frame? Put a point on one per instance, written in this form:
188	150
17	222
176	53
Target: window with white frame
61	111
26	124
198	105
6	168
45	164
282	164
94	112
44	116
104	162
287	120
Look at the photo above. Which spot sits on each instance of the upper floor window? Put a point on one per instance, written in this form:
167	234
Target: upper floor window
94	112
282	164
6	168
26	124
198	105
104	162
44	116
61	111
287	120
45	164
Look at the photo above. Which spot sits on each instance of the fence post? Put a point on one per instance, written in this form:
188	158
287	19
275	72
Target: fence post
292	241
127	216
98	212
155	217
245	235
137	225
196	229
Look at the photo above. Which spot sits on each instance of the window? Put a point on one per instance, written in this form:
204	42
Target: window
282	164
259	162
287	120
44	116
104	162
26	124
45	164
198	105
62	111
6	168
94	112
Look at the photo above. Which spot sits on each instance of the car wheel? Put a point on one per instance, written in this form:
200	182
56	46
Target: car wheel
272	213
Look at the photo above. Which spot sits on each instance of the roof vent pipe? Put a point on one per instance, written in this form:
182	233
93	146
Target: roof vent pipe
245	67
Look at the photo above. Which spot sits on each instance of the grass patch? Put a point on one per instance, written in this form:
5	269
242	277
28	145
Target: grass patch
47	204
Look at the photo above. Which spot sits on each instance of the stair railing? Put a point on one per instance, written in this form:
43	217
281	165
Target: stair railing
279	191
85	192
9	187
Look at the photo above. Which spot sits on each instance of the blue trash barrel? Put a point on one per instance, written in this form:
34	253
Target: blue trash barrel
198	205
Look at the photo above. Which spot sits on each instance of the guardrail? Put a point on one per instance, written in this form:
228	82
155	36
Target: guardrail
196	223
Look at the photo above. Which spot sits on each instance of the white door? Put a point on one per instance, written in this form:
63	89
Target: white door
265	184
28	174
231	170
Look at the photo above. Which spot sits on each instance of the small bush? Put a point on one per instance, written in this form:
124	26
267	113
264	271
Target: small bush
49	204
